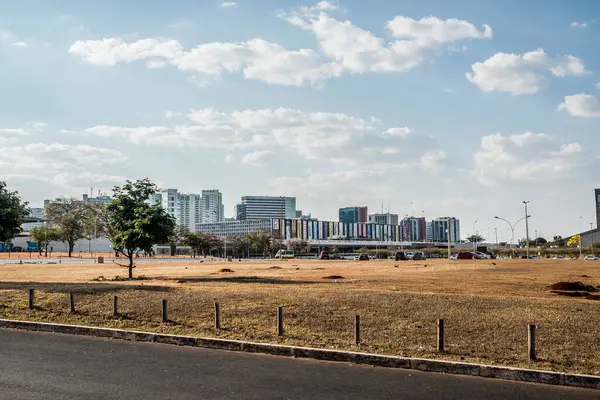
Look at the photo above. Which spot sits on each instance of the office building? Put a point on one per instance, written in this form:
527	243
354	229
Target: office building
439	227
261	207
228	229
597	198
384	219
353	215
36	213
190	209
414	229
593	235
100	199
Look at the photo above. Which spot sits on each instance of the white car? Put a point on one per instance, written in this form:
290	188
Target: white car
593	258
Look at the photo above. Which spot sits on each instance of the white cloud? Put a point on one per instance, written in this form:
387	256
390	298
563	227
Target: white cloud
581	105
228	4
347	48
259	158
522	74
13	131
576	24
597	85
525	157
399	131
19	44
173	114
37	125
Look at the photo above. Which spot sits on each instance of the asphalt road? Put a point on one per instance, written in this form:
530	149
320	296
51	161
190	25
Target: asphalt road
36	365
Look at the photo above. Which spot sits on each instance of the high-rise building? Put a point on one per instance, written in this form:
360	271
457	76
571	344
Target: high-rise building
597	193
353	215
439	227
212	206
259	207
384	219
189	209
414	229
100	199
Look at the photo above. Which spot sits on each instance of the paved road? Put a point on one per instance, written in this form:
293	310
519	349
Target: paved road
36	365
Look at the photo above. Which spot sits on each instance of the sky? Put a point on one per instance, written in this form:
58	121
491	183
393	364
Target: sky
425	108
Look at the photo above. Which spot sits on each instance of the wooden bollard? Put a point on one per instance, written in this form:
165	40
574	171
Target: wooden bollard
72	302
279	321
31	299
531	342
165	315
217	316
116	307
440	335
357	329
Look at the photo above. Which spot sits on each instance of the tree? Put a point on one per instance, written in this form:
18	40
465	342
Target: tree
177	238
43	235
12	213
559	241
475	238
573	241
133	224
260	241
193	241
298	245
73	219
540	241
276	245
240	245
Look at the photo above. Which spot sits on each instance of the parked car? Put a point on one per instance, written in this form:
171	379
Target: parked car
593	258
482	256
418	255
363	257
400	256
324	255
466	255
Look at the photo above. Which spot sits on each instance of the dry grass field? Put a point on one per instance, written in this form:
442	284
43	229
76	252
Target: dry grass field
486	304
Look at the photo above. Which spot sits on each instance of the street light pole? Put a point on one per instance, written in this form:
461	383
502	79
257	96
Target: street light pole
475	237
579	229
526	227
512	228
448	235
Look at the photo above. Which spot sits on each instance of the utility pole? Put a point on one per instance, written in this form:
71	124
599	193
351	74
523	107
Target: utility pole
526	227
496	230
448	234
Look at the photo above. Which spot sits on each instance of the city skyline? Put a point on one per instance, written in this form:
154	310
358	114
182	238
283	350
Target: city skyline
465	109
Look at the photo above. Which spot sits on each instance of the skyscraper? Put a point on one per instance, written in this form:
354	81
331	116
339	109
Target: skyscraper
190	209
259	207
212	206
353	215
597	193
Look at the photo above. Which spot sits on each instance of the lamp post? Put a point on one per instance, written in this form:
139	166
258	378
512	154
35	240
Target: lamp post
448	235
579	229
512	228
526	227
496	230
475	237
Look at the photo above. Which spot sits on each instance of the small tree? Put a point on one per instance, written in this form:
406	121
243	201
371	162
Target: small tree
475	238
12	213
132	223
574	241
194	241
73	219
298	245
259	241
276	245
43	235
240	245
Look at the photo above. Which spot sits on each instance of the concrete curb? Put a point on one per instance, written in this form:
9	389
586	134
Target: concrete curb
447	367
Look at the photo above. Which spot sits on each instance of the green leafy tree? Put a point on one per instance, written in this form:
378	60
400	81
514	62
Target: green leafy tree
540	241
260	241
73	219
298	245
240	245
12	213
193	241
474	238
133	224
43	235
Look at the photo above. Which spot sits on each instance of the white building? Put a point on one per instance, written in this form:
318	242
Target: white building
189	209
235	228
384	219
259	207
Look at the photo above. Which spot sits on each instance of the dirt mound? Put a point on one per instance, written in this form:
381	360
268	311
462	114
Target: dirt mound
274	267
225	270
573	286
333	277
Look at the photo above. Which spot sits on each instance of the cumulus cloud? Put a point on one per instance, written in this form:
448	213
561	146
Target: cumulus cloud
259	158
576	24
581	105
522	74
347	49
227	4
525	157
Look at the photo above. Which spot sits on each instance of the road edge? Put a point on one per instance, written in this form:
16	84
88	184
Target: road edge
420	364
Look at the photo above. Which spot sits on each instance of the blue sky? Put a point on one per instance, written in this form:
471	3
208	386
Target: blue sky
460	108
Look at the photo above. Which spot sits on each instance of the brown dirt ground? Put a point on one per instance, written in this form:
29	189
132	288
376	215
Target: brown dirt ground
486	307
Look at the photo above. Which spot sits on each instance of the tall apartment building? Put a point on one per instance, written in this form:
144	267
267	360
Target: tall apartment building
439	227
597	193
414	229
189	209
353	215
384	219
260	207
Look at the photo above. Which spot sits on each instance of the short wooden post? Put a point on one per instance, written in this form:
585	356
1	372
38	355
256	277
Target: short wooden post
217	316
72	302
116	307
531	342
440	335
31	299
357	329
279	321
165	315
